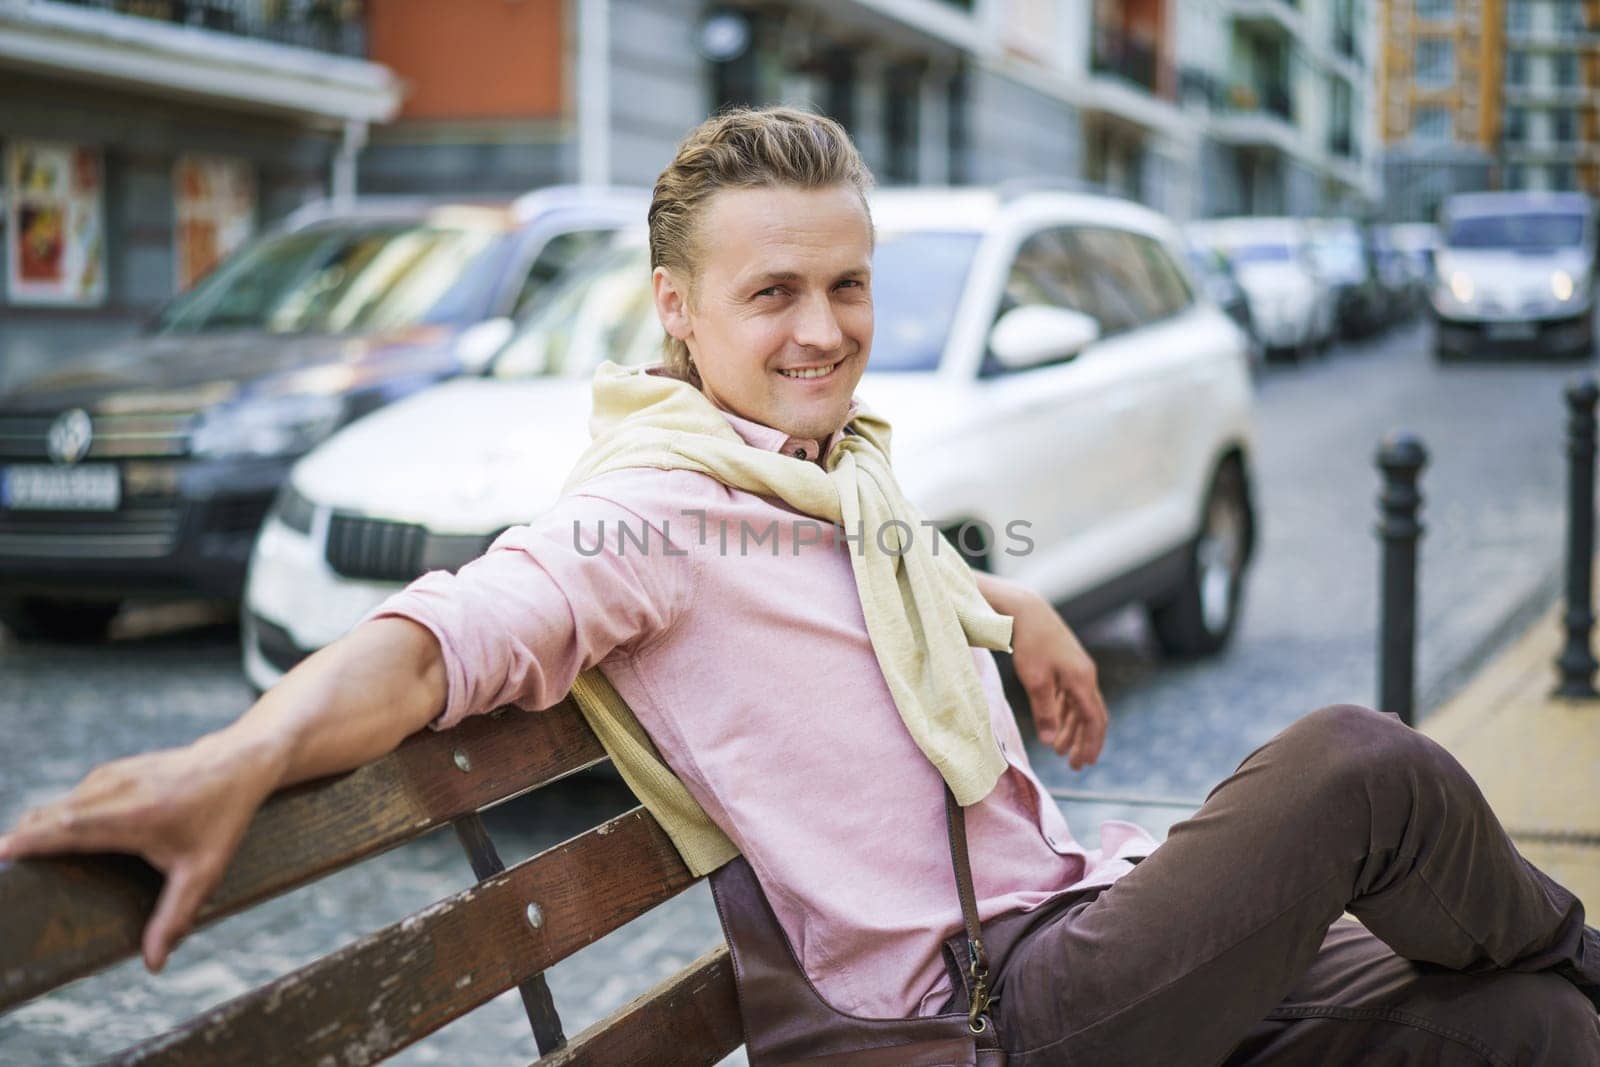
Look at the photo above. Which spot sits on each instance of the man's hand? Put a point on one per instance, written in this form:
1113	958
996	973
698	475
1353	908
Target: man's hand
184	810
1055	671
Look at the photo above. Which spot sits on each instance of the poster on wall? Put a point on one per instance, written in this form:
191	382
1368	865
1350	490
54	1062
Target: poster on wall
55	222
216	202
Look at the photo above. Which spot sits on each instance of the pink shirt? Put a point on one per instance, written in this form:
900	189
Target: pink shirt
752	672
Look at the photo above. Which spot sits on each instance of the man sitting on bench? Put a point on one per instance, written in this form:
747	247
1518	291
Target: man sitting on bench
815	713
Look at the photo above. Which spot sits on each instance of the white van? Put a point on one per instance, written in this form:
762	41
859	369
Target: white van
1515	275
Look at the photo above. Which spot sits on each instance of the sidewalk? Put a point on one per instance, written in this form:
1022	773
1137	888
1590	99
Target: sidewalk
1536	756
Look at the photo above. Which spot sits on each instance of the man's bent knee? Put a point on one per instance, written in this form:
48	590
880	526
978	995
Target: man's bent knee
1344	746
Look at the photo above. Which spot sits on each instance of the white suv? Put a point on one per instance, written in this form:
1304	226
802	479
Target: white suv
1065	403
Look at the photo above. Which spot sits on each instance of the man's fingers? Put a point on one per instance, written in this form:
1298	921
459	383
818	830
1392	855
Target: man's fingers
57	828
1045	702
176	908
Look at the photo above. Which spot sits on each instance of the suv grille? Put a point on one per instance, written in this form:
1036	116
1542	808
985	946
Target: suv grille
131	533
375	548
23	437
384	551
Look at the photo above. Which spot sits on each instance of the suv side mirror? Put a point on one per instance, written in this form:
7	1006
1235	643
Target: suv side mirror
1028	336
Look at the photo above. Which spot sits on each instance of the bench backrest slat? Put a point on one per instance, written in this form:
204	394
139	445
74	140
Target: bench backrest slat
689	1020
387	990
61	919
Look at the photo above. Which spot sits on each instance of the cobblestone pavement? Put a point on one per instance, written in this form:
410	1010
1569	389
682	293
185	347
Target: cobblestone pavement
1494	513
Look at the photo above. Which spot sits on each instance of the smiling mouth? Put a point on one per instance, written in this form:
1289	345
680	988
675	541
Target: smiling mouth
811	372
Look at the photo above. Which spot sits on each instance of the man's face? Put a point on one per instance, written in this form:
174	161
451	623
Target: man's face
779	321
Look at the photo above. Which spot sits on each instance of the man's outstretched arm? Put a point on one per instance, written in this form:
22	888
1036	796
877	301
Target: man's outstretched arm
185	810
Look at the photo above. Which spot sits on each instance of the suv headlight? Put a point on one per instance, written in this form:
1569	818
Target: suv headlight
281	426
1461	287
292	509
1562	285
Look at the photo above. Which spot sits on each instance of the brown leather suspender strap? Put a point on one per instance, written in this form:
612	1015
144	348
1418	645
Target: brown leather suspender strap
977	959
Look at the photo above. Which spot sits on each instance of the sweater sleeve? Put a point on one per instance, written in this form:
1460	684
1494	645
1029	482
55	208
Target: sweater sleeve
548	600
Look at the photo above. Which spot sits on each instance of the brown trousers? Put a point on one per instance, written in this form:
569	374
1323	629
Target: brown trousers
1225	945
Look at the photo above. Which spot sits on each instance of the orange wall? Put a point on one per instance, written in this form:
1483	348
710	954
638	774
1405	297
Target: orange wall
464	59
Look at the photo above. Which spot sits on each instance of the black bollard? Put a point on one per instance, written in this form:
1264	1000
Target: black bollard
1577	662
1401	458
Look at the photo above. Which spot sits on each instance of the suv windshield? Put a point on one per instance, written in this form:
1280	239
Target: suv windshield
344	278
602	310
1260	253
1521	232
917	280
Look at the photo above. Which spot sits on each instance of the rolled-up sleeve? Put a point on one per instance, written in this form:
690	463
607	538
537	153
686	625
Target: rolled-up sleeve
546	602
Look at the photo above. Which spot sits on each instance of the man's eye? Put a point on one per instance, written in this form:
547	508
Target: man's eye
850	283
771	290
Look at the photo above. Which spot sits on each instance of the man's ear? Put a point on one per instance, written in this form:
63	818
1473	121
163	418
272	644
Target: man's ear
672	304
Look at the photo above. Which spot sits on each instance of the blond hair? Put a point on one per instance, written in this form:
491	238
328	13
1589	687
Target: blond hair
741	148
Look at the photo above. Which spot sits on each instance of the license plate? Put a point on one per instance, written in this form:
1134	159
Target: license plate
1512	331
95	487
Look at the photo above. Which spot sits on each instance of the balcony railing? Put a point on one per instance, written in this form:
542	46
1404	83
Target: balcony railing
337	26
1119	54
1271	98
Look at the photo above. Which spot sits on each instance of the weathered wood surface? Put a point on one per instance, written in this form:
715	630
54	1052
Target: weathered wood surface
690	1020
64	918
375	997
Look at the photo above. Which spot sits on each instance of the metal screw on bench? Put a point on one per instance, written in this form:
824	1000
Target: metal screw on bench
1401	458
1577	662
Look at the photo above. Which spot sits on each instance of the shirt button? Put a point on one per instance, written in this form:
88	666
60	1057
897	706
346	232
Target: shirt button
800	453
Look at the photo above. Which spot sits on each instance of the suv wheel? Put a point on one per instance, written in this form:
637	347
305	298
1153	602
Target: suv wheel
1199	618
35	619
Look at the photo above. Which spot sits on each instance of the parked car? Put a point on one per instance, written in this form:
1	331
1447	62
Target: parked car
144	469
1217	279
1290	302
1515	275
1339	251
1045	359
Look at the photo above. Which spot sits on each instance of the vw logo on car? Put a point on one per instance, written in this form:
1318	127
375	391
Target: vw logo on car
70	436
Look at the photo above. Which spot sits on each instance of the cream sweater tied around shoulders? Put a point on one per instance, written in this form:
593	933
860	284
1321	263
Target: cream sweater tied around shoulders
923	608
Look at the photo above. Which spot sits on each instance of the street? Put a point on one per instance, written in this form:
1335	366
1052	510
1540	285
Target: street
1494	513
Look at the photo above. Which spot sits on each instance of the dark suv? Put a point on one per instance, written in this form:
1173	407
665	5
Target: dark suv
145	468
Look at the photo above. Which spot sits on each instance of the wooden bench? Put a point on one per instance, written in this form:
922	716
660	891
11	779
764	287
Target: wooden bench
61	919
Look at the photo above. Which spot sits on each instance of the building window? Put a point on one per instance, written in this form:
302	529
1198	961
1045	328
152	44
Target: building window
956	126
1519	15
1435	9
1569	16
216	209
901	107
1435	61
1566	70
1516	124
1564	122
55	219
1517	68
1562	178
1432	124
1516	176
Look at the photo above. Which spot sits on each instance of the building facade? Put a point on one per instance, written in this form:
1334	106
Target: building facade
138	150
1440	101
144	139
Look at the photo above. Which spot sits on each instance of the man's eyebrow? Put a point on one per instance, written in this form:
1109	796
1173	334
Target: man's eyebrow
785	276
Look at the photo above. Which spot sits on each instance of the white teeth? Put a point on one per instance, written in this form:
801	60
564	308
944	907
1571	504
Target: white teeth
813	372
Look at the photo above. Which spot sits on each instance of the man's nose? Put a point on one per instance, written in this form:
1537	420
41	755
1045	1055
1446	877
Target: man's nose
817	325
